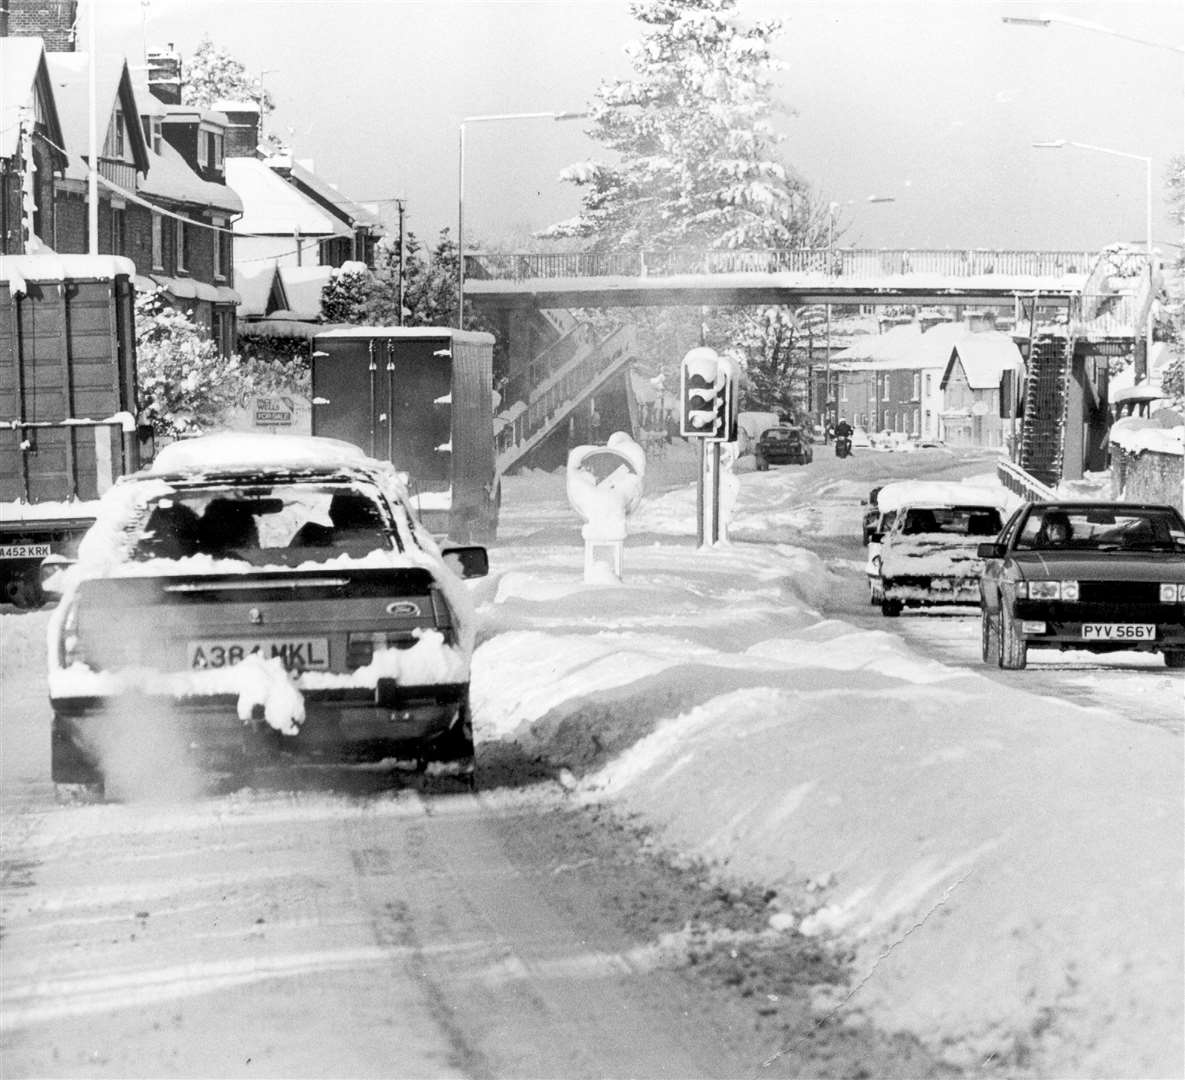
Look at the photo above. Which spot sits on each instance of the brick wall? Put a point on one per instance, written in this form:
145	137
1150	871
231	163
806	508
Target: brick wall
1148	477
52	20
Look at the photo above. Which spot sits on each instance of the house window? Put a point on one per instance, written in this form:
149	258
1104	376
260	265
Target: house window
219	249
203	155
182	253
843	391
118	226
156	135
116	142
158	242
917	385
929	384
216	143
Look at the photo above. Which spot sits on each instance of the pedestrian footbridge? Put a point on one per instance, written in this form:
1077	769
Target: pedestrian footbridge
790	277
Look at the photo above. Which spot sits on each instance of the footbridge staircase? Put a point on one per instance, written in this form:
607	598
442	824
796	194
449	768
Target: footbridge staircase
541	398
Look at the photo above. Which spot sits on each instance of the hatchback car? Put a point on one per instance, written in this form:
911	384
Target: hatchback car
926	554
783	445
267	599
1097	576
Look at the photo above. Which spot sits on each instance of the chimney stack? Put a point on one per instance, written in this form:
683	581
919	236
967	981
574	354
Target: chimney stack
52	20
164	75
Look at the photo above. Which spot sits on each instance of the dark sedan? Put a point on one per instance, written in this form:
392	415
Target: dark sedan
1098	576
783	445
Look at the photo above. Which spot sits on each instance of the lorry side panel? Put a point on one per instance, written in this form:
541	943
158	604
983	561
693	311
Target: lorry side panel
68	352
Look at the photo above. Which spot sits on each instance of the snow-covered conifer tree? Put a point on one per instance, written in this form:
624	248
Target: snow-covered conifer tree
697	163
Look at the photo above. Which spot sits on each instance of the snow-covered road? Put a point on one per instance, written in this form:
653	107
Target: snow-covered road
999	852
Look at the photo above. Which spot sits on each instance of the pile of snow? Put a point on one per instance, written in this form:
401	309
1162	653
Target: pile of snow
1005	867
1137	434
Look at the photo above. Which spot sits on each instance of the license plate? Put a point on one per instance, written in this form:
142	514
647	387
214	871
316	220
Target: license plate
297	654
1119	631
24	551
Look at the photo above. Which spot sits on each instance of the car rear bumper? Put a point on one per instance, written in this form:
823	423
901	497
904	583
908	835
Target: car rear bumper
340	725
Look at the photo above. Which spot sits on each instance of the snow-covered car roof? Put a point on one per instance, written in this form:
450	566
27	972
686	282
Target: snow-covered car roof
939	493
244	451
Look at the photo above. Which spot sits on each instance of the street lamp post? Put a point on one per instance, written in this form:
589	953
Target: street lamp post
1059	144
461	186
1045	21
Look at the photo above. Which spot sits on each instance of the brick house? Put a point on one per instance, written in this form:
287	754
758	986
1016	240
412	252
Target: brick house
31	146
162	197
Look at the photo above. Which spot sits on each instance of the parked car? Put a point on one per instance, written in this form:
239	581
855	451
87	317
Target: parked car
872	516
269	599
1095	576
925	553
783	445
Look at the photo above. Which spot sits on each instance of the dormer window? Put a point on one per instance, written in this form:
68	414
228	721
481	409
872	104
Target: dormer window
217	142
116	141
203	154
156	134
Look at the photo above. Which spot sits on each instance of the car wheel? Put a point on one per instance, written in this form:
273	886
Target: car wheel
1014	650
989	633
890	608
1175	659
69	764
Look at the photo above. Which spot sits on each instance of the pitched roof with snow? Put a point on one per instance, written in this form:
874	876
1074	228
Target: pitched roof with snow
349	211
22	66
272	207
985	358
70	73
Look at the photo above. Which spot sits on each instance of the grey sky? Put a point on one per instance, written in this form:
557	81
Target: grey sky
933	102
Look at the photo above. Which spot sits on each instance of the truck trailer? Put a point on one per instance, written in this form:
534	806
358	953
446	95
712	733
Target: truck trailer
421	398
67	404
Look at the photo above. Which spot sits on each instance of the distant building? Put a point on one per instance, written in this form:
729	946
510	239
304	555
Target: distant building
979	389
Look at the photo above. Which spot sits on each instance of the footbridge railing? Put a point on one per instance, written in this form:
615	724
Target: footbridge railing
840	262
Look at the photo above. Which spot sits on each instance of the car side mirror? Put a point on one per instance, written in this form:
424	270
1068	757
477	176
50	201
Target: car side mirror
467	562
876	537
990	551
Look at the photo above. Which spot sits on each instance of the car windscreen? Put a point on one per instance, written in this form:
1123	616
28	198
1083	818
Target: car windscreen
951	520
1114	528
266	523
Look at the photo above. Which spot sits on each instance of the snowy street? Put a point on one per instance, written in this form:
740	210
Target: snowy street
900	840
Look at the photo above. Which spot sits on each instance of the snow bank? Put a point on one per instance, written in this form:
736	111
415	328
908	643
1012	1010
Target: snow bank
1136	437
1005	867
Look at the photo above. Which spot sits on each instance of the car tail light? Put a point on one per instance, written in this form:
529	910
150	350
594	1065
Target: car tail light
361	647
1050	590
71	650
1171	593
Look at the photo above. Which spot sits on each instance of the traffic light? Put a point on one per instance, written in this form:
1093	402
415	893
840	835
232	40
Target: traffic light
708	396
697	393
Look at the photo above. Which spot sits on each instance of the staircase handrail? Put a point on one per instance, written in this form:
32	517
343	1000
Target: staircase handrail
527	424
1022	483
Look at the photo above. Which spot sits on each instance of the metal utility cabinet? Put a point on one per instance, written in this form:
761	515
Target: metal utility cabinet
421	398
67	403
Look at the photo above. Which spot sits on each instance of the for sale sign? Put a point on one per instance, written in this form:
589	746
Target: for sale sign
278	411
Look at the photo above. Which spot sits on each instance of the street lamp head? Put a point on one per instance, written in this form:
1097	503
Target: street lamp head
882	198
570	115
1017	20
1050	144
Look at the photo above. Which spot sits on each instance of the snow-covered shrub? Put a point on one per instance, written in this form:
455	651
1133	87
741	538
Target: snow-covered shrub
344	294
185	385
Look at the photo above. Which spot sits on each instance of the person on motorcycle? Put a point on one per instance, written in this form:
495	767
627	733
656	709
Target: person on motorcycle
843	430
